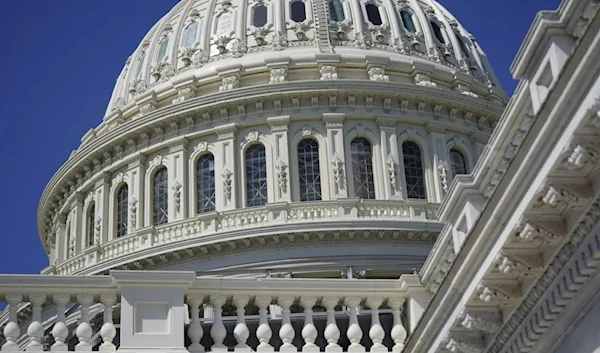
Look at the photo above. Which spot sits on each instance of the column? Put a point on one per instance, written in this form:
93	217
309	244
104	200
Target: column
11	331
279	140
439	158
226	170
102	208
393	18
391	158
77	230
337	183
137	175
178	180
424	25
60	232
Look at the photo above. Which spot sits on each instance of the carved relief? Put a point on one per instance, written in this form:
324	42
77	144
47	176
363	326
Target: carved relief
97	230
338	172
279	41
282	176
227	174
229	83
443	173
378	74
177	195
278	75
392	166
422	79
328	72
133	211
184	94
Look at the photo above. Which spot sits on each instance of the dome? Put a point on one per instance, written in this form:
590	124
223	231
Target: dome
262	135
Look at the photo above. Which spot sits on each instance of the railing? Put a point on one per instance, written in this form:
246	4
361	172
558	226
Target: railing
245	218
152	314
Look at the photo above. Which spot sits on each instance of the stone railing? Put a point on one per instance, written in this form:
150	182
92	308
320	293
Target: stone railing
271	215
149	305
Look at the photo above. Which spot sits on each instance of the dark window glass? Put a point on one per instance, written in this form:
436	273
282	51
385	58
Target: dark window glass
91	219
457	161
373	14
309	171
407	21
437	31
160	197
336	10
205	183
413	170
462	44
256	176
362	168
122	200
298	11
259	17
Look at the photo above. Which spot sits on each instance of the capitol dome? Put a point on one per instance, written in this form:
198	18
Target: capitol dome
302	137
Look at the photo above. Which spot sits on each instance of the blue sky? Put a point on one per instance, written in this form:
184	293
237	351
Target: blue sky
60	60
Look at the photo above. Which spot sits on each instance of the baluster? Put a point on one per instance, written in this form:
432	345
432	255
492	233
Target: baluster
354	332
309	331
12	330
263	331
332	332
60	331
195	332
217	331
84	329
376	332
241	332
398	331
108	330
35	331
286	332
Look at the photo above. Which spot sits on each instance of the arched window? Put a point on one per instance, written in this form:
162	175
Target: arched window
413	170
362	168
309	171
160	196
91	220
140	65
189	35
298	11
407	21
205	183
122	210
256	176
336	10
462	45
259	15
457	162
162	50
437	31
373	14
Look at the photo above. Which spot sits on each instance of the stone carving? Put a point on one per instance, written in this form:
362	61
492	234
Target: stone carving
147	108
338	172
464	89
260	34
227	174
137	87
118	104
221	43
238	48
377	73
278	75
499	293
485	322
519	265
341	29
184	94
361	40
392	166
97	229
328	72
229	82
177	195
379	32
279	41
133	211
162	71
282	176
423	79
300	29
200	58
443	169
252	136
201	147
187	56
71	246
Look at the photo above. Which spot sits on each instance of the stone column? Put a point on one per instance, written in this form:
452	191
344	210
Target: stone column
178	180
60	232
226	166
439	161
338	184
279	140
390	157
102	224
77	230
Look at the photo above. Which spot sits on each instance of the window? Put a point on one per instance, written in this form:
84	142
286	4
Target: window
309	171
259	16
373	14
298	11
162	50
336	10
437	31
256	176
362	168
140	65
189	35
205	183
413	169
457	162
223	25
121	209
91	220
462	45
160	197
407	21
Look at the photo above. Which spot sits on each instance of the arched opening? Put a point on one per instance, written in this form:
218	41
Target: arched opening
122	199
160	197
309	172
437	31
256	176
361	155
457	162
407	21
413	171
205	184
373	14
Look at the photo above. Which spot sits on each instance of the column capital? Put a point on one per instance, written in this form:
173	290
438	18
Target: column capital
225	132
334	120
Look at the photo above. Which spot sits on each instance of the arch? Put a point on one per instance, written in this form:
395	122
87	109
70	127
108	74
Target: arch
316	132
309	170
407	20
413	170
260	14
373	14
437	32
336	10
121	210
363	177
205	183
465	149
162	53
140	65
160	196
190	34
458	162
359	130
90	218
255	161
412	135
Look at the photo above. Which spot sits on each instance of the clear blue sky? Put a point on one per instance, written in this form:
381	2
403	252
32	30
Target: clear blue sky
59	62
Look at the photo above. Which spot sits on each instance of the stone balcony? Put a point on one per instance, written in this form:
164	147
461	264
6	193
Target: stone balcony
179	312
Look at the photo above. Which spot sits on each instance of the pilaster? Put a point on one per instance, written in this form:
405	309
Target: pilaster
178	180
439	159
137	173
226	168
334	124
60	230
390	157
77	231
279	140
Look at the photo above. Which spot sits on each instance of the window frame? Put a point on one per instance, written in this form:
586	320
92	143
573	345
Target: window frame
197	161
316	166
247	179
371	194
421	162
156	218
